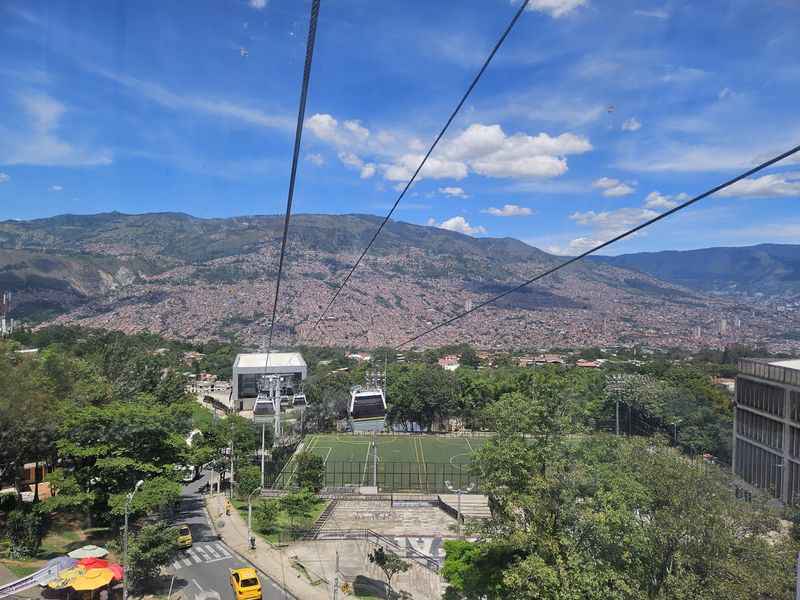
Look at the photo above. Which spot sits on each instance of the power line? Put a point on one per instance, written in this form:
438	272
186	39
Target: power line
312	34
629	232
425	158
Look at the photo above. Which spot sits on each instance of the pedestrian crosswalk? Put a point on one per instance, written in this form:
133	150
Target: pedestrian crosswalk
201	553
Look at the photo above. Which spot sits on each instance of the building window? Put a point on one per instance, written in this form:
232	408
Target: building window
248	385
763	397
758	467
760	429
794	406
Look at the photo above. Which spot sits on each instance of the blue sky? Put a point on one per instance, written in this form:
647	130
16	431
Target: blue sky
593	117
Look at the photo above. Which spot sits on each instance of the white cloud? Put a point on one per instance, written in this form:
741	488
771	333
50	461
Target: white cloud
453	192
459	224
606	225
435	168
509	210
725	93
316	159
574	247
366	170
4	177
768	186
326	128
489	151
556	8
483	149
201	103
40	143
631	124
656	13
56	188
613	188
257	4
657	201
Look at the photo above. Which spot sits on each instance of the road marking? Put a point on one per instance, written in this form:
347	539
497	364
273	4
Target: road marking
210	549
222	550
187	562
176	565
202	552
194	556
194	581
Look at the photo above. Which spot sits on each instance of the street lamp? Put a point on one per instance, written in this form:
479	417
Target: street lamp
128	501
250	516
459	491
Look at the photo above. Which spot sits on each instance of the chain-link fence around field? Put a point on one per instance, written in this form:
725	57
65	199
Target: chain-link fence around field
429	478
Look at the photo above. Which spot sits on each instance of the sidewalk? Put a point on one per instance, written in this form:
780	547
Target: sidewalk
271	561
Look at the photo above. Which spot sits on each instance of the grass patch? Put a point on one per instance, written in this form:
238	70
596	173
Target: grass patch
282	530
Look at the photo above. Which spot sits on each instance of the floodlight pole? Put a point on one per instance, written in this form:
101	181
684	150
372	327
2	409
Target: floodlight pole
128	501
458	492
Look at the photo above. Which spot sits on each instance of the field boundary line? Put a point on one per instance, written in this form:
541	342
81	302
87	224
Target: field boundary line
366	460
424	466
471	449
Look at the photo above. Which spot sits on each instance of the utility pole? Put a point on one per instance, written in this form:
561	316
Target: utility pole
231	482
128	501
374	463
263	436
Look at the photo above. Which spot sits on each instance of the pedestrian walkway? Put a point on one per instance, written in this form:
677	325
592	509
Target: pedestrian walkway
270	560
201	553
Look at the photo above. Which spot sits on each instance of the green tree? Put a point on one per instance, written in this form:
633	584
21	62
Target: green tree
25	528
298	505
266	515
309	471
151	548
248	478
159	495
390	564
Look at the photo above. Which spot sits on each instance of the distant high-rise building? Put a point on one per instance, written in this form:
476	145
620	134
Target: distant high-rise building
738	322
468	306
723	326
698	332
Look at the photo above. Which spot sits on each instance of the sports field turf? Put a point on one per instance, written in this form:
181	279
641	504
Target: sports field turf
405	462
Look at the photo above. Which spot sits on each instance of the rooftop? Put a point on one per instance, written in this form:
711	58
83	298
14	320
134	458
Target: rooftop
276	359
788	364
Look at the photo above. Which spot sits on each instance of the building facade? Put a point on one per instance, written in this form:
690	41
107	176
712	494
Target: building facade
248	369
766	427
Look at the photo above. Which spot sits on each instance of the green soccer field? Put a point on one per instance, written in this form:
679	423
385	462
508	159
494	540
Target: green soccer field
420	463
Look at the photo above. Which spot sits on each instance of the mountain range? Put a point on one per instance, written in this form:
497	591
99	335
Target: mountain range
767	269
195	278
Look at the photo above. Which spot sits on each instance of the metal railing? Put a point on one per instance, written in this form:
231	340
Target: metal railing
764	370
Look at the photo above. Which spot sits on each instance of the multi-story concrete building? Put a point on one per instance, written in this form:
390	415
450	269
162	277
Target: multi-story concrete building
766	426
248	369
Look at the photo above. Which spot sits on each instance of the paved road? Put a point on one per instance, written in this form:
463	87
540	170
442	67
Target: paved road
201	572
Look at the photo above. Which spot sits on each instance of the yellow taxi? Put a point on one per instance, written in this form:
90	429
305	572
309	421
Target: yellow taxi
245	584
184	536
